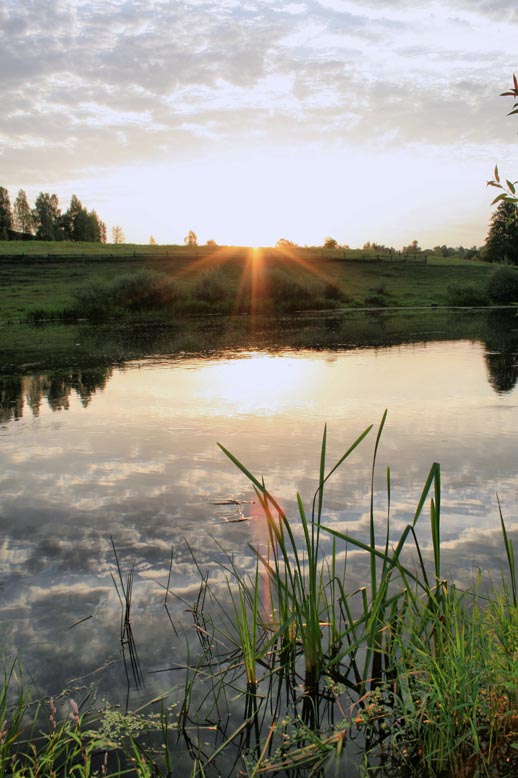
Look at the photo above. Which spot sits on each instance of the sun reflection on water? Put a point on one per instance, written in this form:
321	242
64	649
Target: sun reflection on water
257	383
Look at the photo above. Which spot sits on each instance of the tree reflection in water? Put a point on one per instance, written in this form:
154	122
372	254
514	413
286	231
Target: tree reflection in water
17	392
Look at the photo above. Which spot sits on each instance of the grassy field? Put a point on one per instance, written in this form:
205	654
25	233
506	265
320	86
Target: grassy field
225	279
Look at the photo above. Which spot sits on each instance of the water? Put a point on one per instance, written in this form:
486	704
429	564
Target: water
127	451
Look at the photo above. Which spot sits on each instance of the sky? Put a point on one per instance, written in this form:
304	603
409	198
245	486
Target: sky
251	120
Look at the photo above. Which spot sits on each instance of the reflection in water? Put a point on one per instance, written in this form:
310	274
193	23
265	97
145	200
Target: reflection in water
245	384
501	347
141	464
55	388
502	368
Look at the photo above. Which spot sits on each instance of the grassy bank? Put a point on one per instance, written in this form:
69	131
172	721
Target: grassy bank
64	281
294	670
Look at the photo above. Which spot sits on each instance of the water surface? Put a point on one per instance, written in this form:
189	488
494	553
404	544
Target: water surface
127	450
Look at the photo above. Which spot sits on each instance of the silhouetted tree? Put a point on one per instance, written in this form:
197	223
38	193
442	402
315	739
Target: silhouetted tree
330	243
79	224
47	217
6	215
502	238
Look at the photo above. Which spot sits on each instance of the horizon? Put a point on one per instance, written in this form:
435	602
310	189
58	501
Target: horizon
248	123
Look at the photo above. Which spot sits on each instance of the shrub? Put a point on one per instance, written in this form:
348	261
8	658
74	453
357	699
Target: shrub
461	296
143	291
288	289
503	285
212	287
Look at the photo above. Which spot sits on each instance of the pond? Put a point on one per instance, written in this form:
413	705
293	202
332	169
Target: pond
121	457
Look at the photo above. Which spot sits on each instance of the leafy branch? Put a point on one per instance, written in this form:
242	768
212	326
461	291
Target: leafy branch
509	188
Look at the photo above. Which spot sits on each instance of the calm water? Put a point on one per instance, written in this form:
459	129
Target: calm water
130	452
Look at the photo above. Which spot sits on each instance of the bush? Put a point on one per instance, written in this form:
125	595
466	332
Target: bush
286	289
143	291
463	296
212	287
503	285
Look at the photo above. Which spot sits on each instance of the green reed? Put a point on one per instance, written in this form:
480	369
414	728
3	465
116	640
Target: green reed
415	674
412	655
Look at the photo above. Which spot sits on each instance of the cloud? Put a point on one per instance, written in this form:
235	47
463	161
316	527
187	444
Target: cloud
154	80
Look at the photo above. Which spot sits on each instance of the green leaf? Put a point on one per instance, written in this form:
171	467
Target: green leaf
510	186
499	197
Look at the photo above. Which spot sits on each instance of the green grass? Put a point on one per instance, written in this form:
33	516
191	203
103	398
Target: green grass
267	280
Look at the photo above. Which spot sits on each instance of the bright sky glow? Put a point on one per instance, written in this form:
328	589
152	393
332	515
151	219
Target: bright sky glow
249	121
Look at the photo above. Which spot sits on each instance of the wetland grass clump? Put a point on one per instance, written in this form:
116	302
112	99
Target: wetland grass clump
407	675
292	669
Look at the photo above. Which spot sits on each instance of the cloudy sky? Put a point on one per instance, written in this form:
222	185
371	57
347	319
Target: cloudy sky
251	120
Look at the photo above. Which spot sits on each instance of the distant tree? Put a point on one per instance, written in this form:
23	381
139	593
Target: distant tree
471	253
98	228
211	243
22	214
152	241
73	220
443	251
6	214
191	239
413	248
79	224
284	243
118	234
47	217
330	243
502	238
376	247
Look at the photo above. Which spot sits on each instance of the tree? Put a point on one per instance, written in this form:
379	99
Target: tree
191	239
284	243
73	221
330	243
413	248
211	243
509	189
118	234
22	214
502	238
47	217
79	224
6	215
152	241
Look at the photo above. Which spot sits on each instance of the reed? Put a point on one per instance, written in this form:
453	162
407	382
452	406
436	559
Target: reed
421	664
307	675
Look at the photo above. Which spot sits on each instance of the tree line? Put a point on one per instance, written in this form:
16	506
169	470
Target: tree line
46	221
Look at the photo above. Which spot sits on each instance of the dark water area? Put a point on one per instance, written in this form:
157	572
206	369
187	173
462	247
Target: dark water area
110	440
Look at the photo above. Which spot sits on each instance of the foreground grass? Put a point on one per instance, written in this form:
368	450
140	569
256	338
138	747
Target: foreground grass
301	675
222	280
